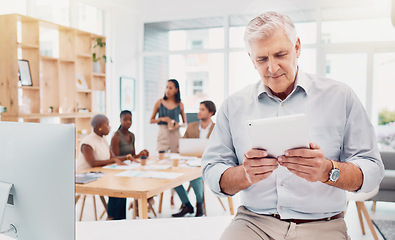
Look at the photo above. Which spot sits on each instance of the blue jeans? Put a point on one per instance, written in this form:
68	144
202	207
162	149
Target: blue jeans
197	186
116	208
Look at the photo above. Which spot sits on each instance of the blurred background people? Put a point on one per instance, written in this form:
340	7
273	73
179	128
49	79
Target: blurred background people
200	129
169	108
122	144
96	152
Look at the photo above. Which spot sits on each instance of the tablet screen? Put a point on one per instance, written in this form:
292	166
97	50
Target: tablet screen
276	135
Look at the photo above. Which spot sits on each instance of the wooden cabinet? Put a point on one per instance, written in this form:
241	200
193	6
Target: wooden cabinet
65	88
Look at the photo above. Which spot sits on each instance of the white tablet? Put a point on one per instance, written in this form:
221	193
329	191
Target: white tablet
276	135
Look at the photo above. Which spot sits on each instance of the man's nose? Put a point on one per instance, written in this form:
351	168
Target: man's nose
273	66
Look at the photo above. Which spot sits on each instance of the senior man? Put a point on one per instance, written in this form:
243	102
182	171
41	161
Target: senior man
301	194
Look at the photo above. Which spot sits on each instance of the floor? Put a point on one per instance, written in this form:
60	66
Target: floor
383	211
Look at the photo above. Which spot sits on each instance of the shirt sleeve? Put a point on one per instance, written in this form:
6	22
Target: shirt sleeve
360	144
220	153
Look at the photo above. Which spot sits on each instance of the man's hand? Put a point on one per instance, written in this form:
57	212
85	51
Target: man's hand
257	166
309	164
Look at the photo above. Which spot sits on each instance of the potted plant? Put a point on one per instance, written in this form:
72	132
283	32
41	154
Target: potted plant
2	109
98	55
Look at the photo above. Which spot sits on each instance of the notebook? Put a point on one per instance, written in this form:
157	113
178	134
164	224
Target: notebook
83	178
192	146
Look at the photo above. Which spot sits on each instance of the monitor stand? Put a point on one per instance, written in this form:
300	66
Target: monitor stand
4	197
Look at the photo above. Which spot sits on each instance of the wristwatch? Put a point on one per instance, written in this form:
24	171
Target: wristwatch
334	174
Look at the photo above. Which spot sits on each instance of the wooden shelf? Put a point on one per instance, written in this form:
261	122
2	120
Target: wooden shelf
30	88
48	58
67	60
84	90
95	74
28	46
84	55
58	115
54	78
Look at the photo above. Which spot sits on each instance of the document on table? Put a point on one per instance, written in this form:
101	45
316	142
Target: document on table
149	174
157	166
197	162
122	167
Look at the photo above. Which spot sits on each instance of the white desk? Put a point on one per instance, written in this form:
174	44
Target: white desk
191	228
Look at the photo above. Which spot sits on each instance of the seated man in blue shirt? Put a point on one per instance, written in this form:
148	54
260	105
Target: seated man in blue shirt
299	195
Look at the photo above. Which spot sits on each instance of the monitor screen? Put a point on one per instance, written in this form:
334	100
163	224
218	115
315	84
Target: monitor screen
38	159
192	117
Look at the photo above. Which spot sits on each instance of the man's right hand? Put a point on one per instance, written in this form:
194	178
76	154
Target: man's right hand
257	165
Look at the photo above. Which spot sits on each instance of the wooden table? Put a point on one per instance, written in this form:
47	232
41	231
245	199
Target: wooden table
136	187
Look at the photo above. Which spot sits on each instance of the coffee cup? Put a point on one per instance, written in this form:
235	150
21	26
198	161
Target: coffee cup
171	125
143	160
175	162
161	155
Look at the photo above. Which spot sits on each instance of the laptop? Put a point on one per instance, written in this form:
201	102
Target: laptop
82	178
192	146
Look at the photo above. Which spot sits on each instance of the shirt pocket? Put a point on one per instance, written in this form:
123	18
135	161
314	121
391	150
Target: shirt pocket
329	138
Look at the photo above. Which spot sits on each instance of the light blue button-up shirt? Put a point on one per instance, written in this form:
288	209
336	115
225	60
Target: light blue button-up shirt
337	122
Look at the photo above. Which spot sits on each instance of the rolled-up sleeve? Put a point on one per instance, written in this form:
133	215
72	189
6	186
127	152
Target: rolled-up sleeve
360	145
219	154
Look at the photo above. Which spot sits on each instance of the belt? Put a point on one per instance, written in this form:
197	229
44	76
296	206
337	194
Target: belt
298	221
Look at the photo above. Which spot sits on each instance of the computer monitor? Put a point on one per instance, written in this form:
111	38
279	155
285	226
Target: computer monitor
38	159
192	117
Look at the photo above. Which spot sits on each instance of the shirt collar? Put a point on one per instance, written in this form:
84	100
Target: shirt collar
301	81
208	127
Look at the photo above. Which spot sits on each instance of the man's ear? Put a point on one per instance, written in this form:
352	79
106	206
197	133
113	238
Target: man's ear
298	47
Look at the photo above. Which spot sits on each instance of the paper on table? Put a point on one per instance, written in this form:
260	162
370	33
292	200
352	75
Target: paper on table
122	167
189	158
4	193
157	167
149	174
195	163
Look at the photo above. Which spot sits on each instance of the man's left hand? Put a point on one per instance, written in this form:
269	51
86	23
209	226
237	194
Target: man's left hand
309	164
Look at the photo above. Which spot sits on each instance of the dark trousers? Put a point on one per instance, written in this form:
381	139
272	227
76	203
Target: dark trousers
116	208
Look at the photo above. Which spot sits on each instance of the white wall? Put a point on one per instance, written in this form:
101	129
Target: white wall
159	10
124	46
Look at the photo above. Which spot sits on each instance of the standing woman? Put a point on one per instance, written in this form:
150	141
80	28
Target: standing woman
122	144
169	108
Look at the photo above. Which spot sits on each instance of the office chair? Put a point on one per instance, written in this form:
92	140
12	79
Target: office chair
360	199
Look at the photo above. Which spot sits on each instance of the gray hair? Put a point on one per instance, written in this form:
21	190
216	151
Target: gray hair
265	25
98	119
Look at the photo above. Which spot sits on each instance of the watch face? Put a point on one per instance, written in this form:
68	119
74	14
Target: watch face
335	174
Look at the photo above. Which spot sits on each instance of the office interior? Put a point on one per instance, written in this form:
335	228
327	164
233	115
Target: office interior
200	43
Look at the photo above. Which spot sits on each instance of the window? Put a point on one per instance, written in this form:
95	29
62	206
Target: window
210	38
90	18
58	13
204	80
349	68
341	31
384	65
15	6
